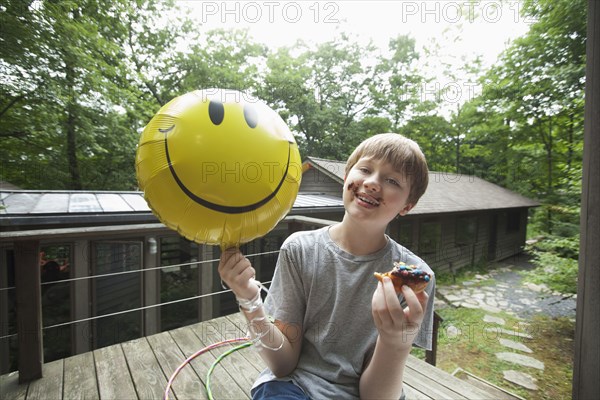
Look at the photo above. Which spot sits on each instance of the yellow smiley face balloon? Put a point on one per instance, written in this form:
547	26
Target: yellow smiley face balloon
218	166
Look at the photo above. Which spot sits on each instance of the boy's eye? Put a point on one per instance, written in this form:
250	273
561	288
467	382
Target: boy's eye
363	170
393	182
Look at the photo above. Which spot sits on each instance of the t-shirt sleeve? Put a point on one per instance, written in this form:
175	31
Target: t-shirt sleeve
424	338
286	300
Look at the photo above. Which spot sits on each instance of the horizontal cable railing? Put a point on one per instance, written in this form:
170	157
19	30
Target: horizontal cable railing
131	310
31	345
143	307
163	267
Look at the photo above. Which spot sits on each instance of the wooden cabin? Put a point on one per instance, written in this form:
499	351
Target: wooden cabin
460	220
116	256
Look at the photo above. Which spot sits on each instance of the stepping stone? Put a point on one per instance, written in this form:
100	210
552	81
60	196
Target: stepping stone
453	298
493	320
521	359
467	305
536	288
491	302
520	378
439	304
514	345
488	308
510	332
452	331
479	296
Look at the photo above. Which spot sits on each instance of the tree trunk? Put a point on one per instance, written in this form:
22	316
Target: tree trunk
549	183
75	178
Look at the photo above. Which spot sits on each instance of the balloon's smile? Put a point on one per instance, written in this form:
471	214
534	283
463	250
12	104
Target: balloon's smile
219	207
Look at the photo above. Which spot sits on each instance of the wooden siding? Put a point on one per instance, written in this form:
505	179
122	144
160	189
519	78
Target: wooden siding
315	181
450	255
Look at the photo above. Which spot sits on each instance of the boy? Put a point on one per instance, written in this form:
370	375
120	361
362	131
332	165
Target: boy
337	333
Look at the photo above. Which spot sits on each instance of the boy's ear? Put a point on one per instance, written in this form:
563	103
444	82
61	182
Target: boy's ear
406	209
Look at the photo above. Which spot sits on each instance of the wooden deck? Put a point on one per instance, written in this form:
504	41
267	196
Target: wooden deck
139	369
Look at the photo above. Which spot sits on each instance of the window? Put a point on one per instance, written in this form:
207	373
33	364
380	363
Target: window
8	313
466	230
429	237
55	265
178	282
513	221
405	235
117	292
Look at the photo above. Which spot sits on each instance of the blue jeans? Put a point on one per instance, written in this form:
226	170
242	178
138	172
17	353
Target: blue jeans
284	390
278	390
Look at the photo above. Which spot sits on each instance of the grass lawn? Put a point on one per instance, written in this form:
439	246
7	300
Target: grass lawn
463	342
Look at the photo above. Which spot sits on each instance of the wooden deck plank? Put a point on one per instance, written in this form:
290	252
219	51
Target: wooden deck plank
450	382
187	385
140	369
413	394
148	377
250	354
51	387
188	340
80	377
10	389
236	364
429	387
114	378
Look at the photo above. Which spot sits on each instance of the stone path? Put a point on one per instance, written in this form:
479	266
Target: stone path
499	290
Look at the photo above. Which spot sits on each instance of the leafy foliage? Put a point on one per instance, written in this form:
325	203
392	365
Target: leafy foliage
80	79
556	260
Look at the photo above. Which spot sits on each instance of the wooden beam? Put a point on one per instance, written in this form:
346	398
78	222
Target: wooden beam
29	309
586	369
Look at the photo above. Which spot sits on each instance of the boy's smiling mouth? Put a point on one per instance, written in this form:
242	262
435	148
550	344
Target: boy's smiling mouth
367	199
363	197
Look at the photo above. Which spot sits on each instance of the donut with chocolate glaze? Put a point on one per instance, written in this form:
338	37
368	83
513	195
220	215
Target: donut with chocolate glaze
409	275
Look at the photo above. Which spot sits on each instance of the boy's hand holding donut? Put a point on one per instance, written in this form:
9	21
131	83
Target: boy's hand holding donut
397	326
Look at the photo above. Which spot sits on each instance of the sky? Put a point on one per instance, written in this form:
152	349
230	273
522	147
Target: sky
463	28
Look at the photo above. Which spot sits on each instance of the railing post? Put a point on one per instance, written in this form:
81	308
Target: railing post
431	355
29	309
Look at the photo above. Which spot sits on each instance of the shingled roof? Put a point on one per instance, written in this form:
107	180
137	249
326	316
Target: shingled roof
28	207
447	192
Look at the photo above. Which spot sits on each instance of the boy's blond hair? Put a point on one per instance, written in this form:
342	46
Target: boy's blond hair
405	156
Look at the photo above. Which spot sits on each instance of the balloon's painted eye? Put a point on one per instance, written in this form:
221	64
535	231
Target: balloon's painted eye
250	116
216	112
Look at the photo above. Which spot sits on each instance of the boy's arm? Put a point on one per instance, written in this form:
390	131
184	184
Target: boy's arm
281	342
398	327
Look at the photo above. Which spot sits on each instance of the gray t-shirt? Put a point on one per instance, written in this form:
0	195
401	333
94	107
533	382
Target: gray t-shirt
326	292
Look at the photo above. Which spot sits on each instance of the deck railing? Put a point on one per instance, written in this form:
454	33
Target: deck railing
29	304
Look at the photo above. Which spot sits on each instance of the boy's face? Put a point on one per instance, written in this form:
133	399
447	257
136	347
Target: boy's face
375	191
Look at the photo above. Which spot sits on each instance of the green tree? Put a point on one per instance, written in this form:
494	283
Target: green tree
399	86
536	90
74	93
322	93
